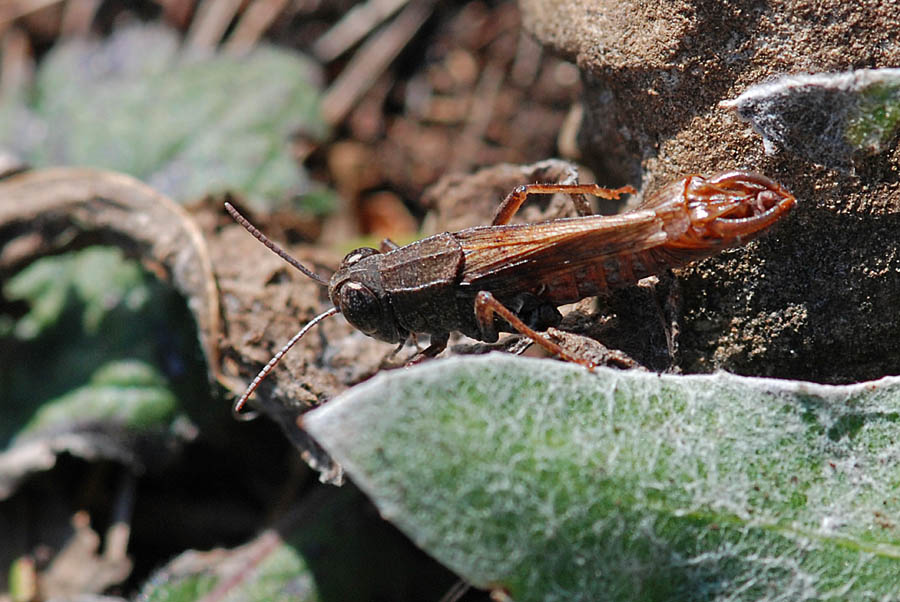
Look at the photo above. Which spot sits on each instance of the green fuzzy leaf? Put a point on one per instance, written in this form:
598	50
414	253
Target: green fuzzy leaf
264	569
331	546
104	354
128	393
189	126
832	119
878	117
556	483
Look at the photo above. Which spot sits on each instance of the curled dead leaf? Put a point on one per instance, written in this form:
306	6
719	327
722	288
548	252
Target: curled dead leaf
47	212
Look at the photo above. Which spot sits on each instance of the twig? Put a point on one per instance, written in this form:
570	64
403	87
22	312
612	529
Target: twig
10	11
253	24
119	531
17	66
353	27
177	12
456	591
212	19
480	111
78	16
371	60
527	63
251	556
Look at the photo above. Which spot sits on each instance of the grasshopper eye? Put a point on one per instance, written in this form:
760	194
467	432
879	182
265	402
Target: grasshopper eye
357	254
363	310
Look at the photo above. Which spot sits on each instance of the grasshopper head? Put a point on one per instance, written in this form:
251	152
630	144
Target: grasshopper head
357	291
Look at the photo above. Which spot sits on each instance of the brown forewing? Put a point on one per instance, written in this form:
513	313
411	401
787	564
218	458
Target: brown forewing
524	257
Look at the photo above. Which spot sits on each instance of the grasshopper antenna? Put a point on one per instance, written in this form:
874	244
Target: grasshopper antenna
239	404
272	246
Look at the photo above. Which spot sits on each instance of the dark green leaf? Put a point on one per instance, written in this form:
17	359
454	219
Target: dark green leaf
264	569
104	355
331	546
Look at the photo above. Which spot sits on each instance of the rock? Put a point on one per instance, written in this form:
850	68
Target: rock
815	298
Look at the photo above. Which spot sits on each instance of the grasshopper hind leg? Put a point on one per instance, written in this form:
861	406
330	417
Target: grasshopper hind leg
514	199
487	306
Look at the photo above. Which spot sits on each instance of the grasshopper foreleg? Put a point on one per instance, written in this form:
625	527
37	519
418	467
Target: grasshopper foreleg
437	344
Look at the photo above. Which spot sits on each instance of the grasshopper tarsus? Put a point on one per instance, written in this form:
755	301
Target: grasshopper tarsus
435	346
388	245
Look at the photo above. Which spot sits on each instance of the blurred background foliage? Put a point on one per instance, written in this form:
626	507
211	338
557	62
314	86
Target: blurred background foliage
122	472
